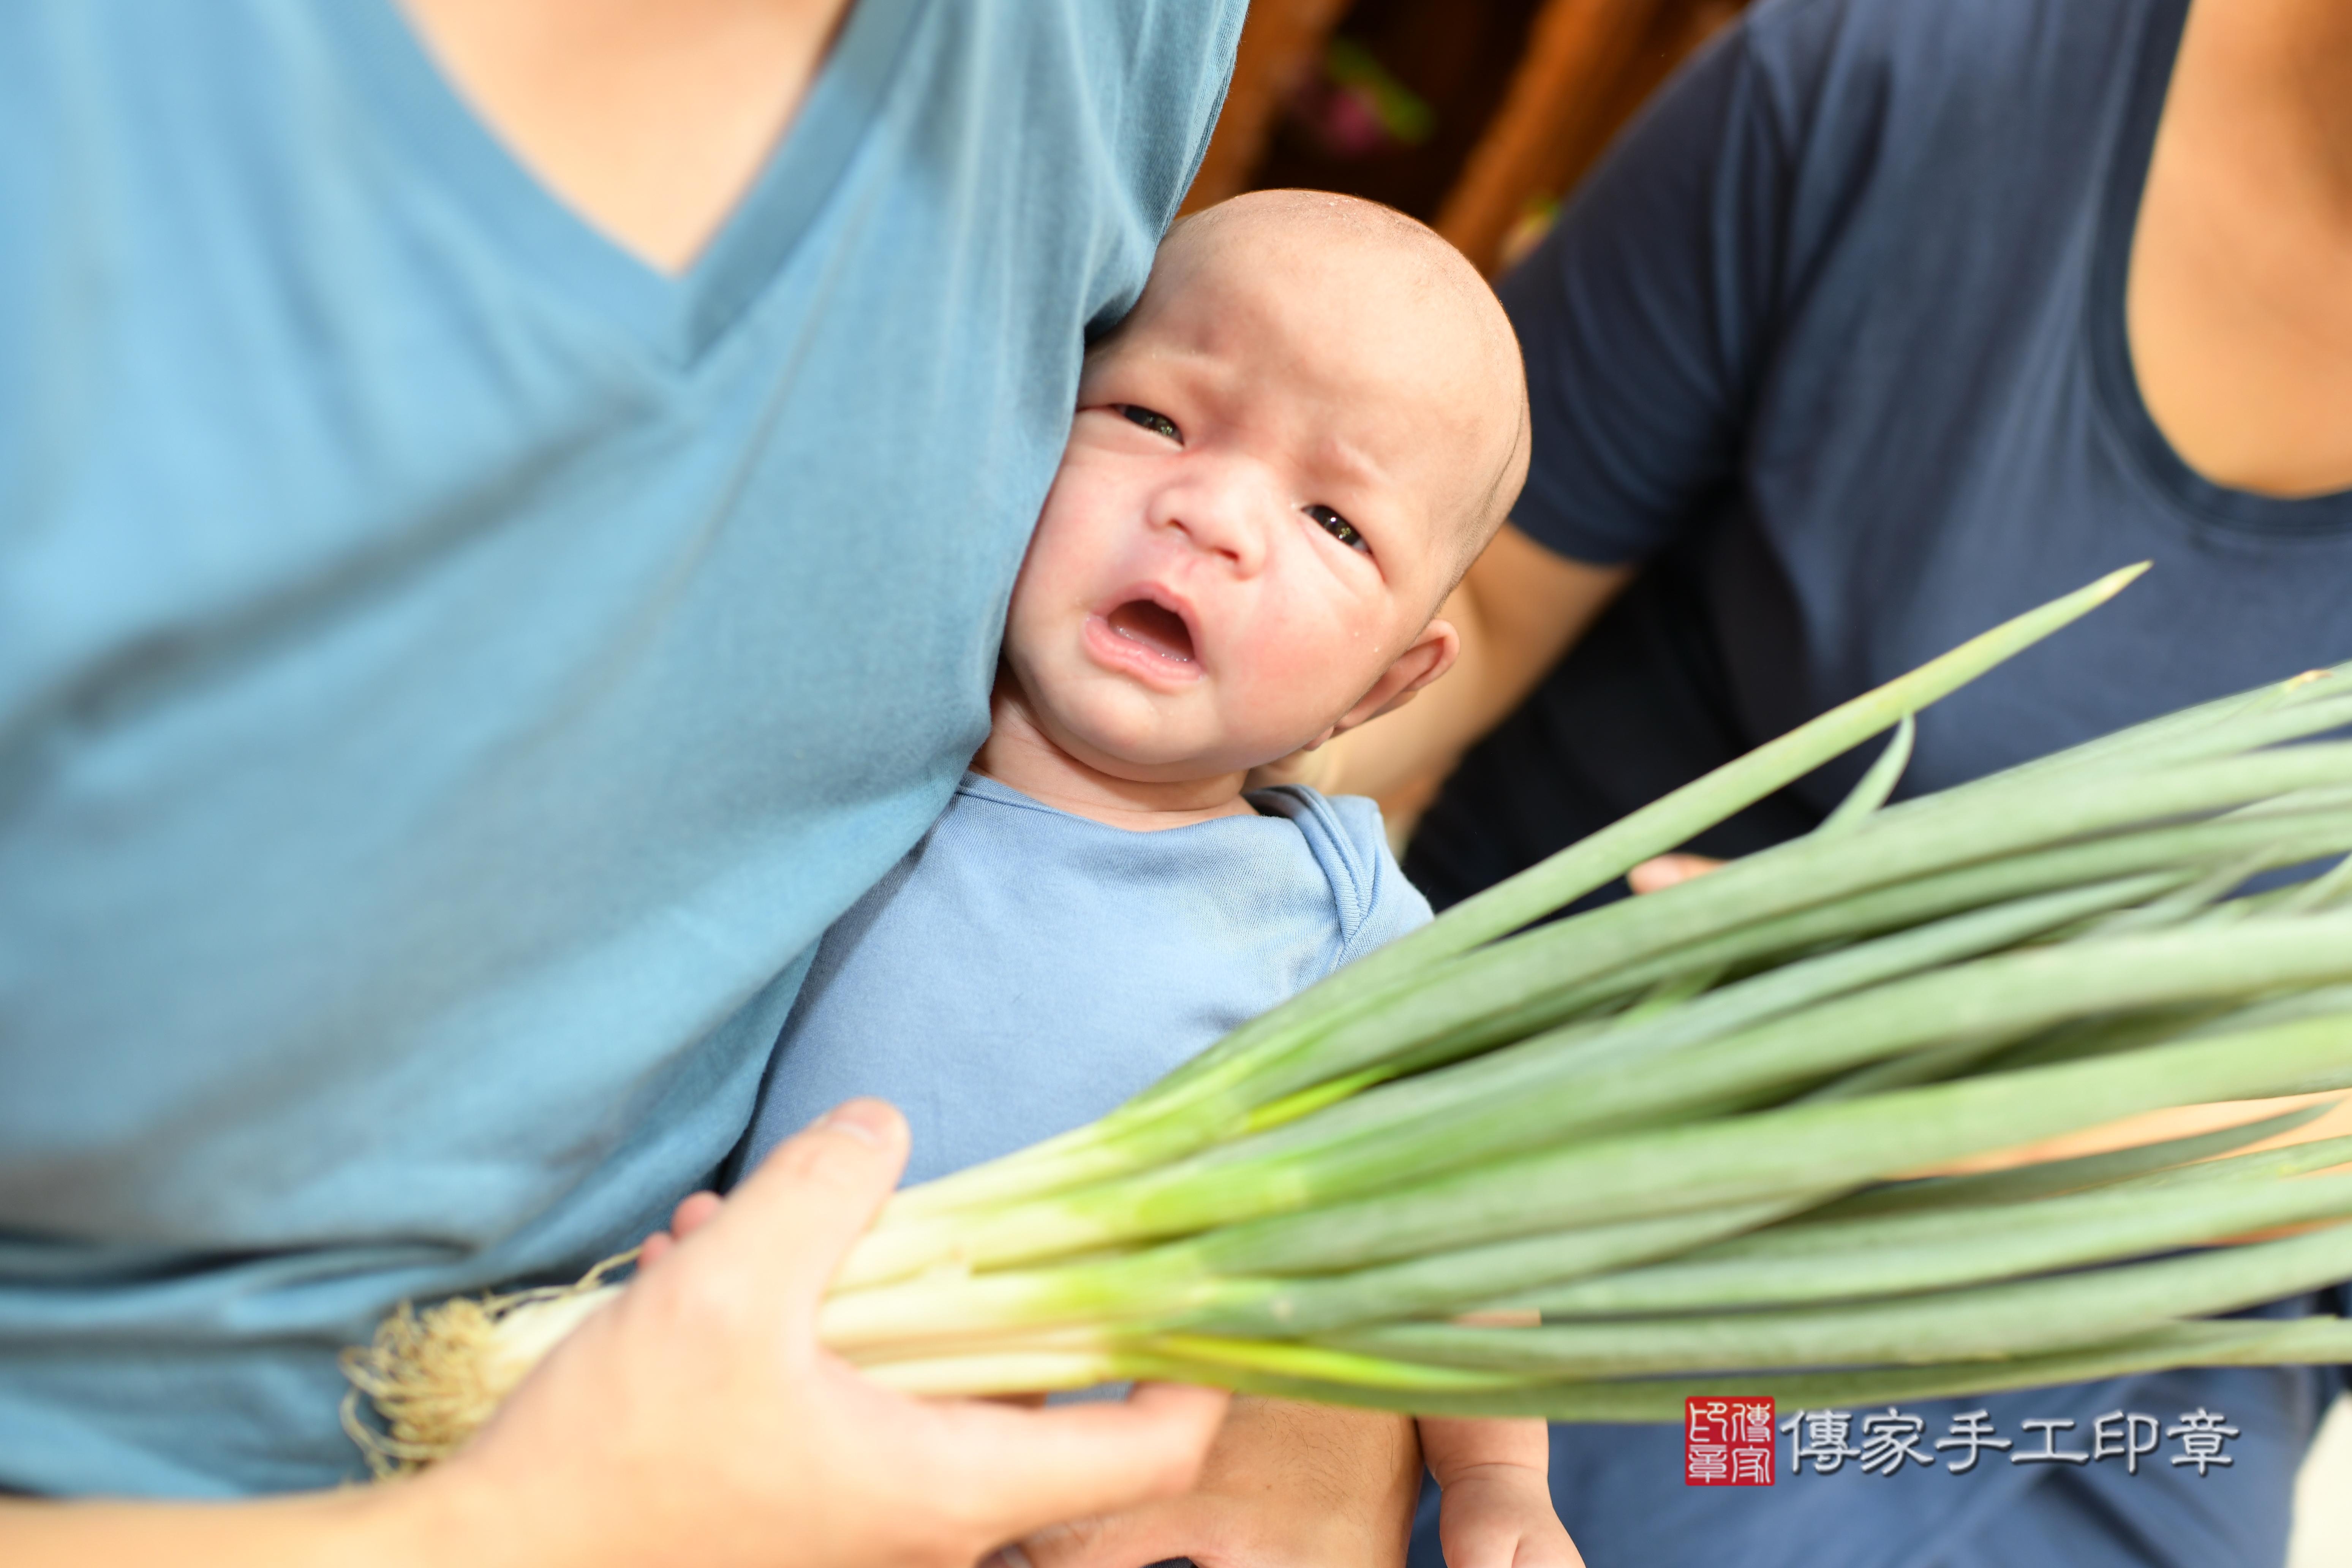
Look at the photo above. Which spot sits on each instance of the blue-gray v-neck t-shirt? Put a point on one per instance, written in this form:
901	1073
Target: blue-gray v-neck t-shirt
1024	971
451	674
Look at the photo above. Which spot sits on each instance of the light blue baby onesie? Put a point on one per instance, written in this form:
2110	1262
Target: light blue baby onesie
1022	970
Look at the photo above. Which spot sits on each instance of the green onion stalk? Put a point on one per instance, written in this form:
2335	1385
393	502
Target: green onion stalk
1580	1168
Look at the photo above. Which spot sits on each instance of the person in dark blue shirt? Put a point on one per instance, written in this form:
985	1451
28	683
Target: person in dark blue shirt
1890	318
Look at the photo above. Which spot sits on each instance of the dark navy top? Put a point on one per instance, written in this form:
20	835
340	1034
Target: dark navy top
1833	344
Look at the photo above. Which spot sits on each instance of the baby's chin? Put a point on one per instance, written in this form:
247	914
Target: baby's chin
1122	731
1149	754
1139	762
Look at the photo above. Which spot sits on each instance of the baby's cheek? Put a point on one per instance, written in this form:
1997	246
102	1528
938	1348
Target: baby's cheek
1078	523
1286	694
1055	588
1023	621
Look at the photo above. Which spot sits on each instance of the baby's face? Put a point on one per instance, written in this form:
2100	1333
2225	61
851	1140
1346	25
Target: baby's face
1266	492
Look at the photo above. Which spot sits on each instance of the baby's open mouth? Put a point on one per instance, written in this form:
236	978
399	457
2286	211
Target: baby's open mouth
1156	626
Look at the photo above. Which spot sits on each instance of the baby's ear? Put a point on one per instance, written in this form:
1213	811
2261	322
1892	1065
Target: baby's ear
1431	655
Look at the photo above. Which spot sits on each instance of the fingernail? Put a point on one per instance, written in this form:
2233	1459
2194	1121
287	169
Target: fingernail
867	1120
1008	1556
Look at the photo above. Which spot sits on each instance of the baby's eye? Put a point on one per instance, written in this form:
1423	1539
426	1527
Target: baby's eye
1158	424
1339	528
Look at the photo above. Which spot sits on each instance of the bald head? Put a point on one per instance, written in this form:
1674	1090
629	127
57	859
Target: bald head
1396	304
1320	220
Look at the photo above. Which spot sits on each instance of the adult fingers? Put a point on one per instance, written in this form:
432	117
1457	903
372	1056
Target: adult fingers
695	1211
1665	870
691	1215
794	1216
1089	1461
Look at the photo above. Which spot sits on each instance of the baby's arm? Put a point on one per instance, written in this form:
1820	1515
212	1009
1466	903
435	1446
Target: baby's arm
1496	1511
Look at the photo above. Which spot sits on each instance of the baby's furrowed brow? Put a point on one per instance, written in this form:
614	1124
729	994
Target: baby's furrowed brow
1349	464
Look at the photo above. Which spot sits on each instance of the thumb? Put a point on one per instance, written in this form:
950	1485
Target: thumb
797	1214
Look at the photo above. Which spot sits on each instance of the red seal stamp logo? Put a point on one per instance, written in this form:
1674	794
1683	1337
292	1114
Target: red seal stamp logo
1728	1442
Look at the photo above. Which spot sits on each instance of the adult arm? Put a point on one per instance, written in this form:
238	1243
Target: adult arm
697	1419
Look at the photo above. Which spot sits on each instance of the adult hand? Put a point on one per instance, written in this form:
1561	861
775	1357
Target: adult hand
698	1420
1286	1486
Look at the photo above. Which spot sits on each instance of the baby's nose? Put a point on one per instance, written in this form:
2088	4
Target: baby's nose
1224	523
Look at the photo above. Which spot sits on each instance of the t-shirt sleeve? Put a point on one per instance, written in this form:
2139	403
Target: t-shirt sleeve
1644	314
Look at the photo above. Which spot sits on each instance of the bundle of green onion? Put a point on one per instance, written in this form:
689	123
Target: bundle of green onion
1674	1129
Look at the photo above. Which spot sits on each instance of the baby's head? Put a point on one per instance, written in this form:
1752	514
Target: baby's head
1283	460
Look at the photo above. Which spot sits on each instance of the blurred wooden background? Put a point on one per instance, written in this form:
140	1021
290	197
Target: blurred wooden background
1472	115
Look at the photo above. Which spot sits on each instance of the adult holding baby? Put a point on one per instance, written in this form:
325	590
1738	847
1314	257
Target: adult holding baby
509	508
1887	320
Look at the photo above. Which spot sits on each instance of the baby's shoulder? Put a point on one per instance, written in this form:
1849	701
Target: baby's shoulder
1348	839
998	870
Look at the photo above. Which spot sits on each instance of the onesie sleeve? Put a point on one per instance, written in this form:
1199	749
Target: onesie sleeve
1645	313
1396	906
1377	904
